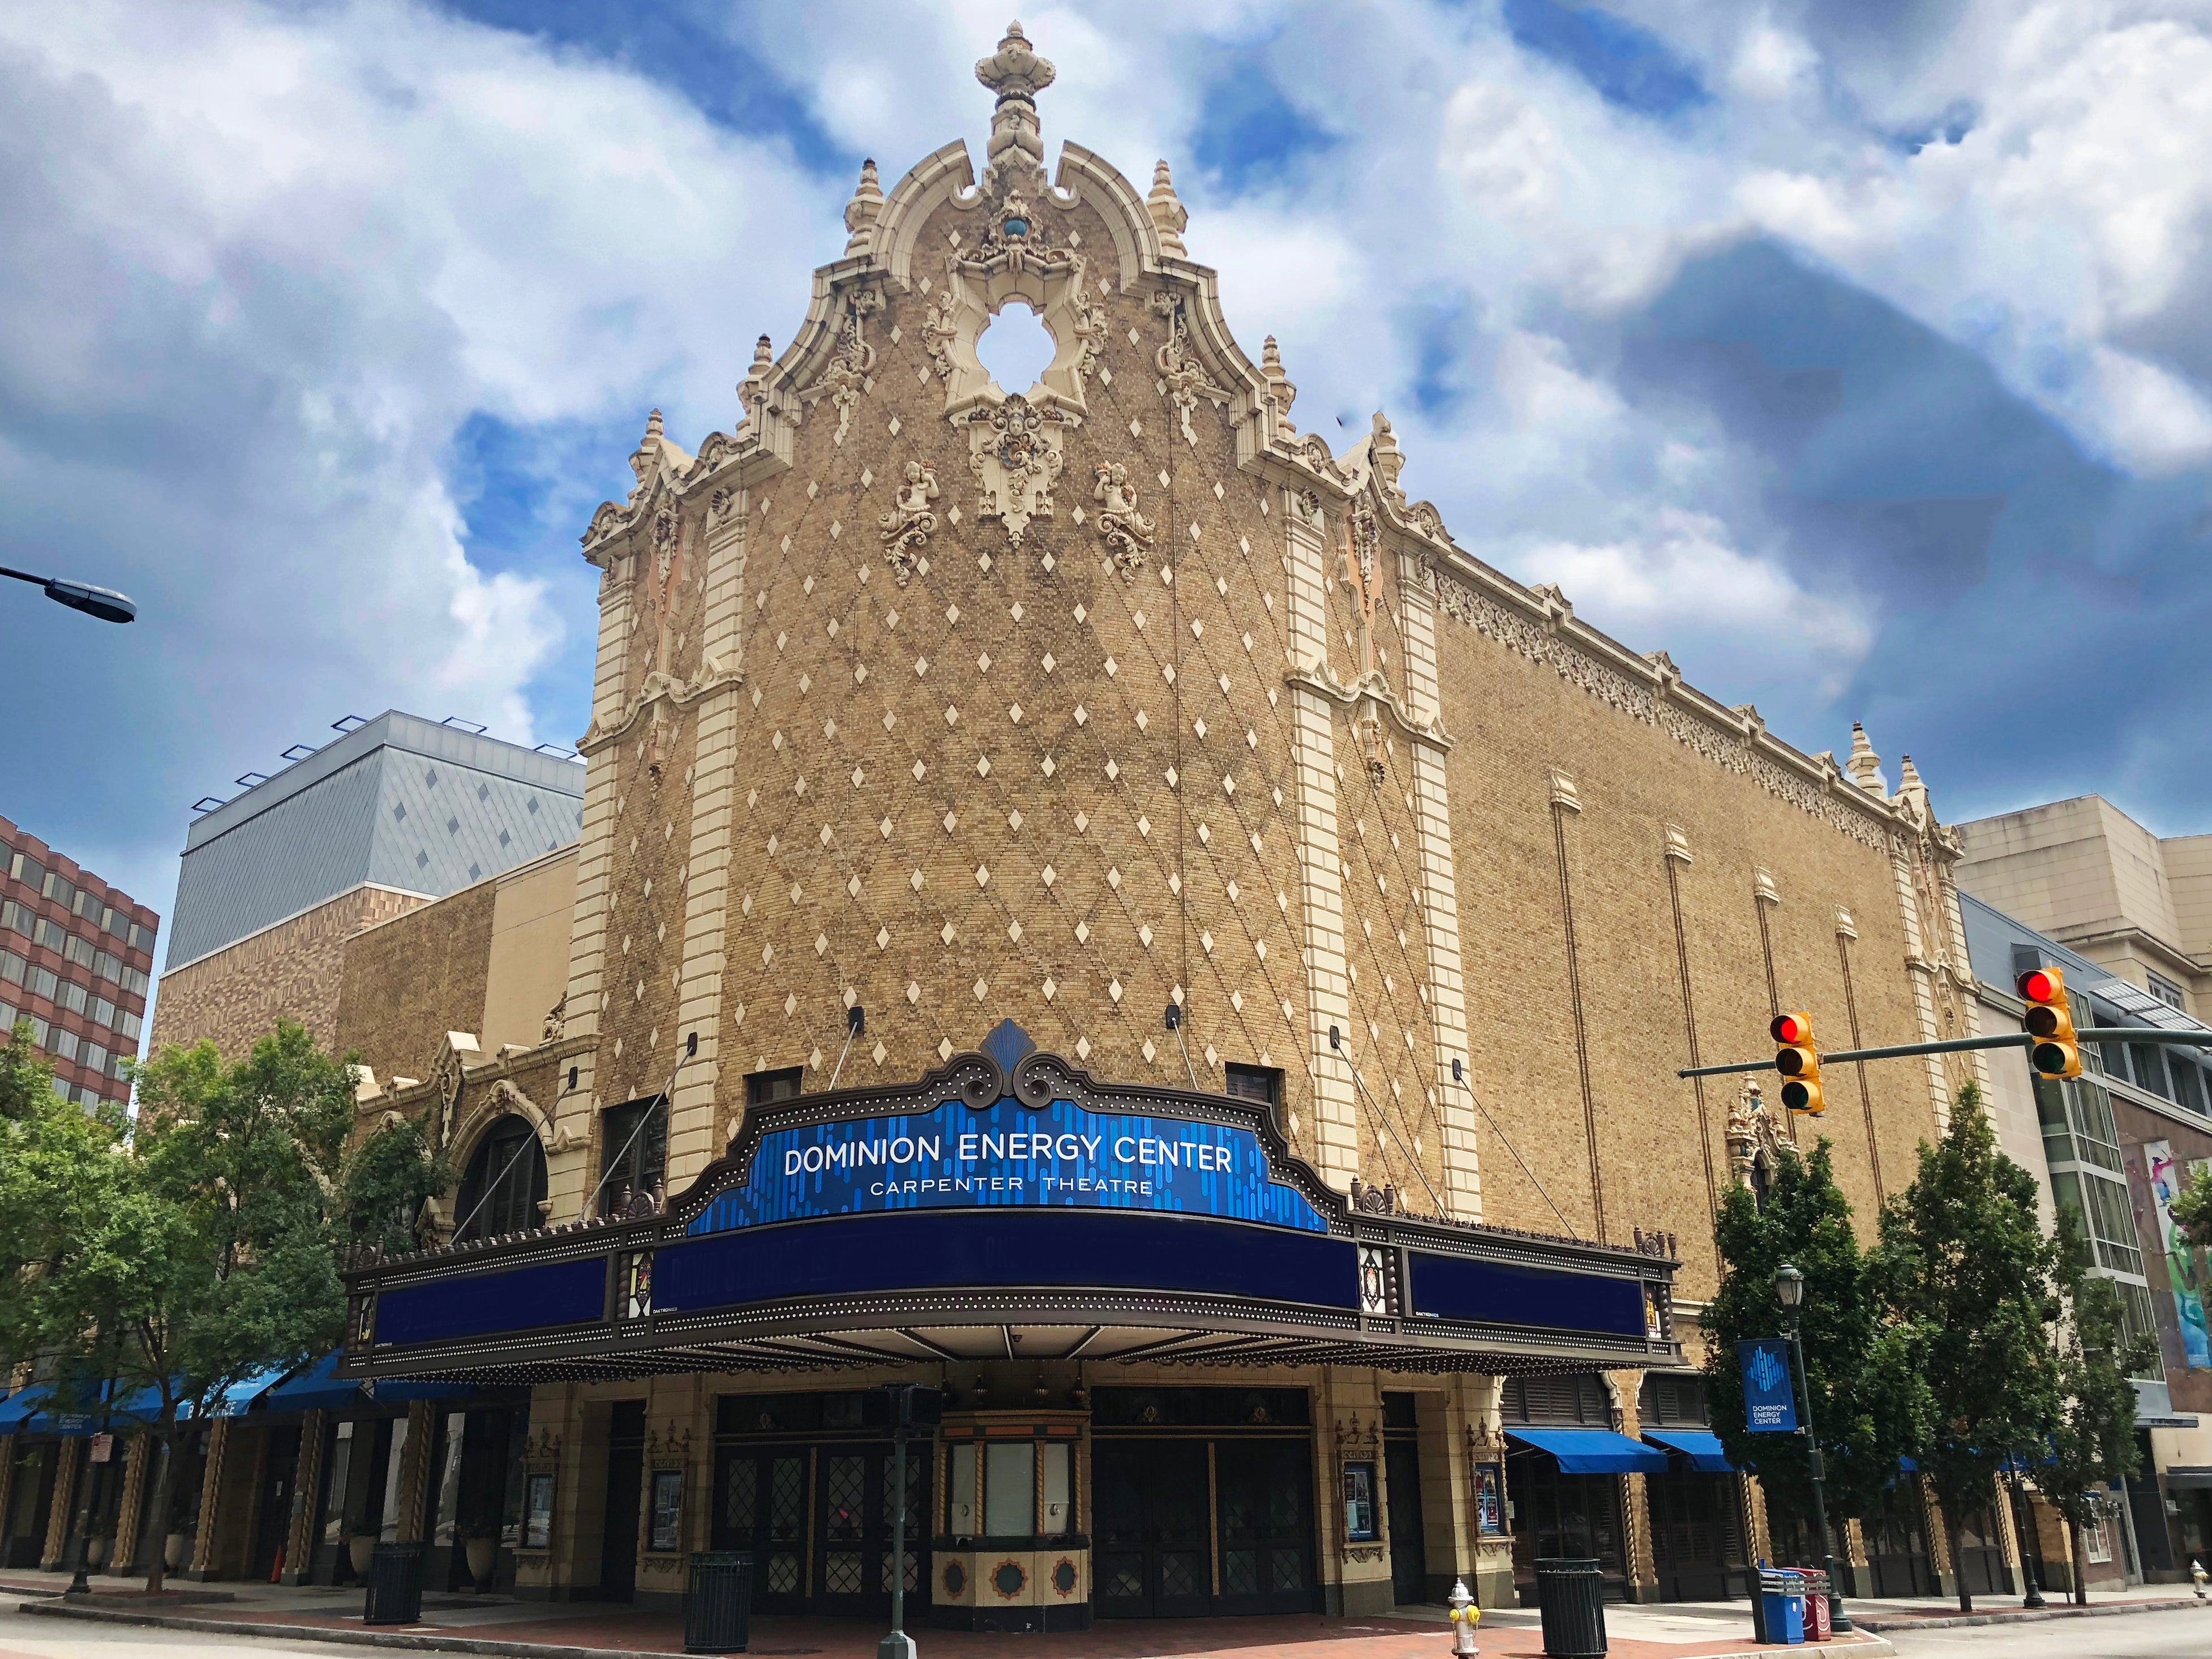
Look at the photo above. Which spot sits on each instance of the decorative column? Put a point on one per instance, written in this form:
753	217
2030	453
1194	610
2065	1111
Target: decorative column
57	1514
1635	1503
415	1470
8	1452
122	1554
307	1500
204	1540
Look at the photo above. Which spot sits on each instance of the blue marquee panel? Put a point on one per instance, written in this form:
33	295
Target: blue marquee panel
1061	1157
951	1252
1457	1287
558	1293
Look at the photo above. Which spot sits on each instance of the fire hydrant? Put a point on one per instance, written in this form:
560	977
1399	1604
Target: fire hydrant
1466	1616
2197	1575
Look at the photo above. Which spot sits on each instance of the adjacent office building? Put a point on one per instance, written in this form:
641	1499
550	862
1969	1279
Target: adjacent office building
75	953
395	813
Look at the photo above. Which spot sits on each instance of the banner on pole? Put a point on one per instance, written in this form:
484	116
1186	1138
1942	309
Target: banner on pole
1770	1403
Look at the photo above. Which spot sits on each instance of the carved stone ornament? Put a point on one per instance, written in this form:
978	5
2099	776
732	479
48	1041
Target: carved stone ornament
1182	379
1128	533
1015	453
907	527
851	365
1754	1136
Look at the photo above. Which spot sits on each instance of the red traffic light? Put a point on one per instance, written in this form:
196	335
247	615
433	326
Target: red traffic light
2038	985
1792	1029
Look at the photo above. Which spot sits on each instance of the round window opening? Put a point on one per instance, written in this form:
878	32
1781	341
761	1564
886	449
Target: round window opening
955	1578
1007	1578
1063	1578
1016	347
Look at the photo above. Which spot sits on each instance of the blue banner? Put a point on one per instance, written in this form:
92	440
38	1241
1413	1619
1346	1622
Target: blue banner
1061	1157
1769	1401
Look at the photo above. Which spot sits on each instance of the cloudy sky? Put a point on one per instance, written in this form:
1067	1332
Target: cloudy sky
1858	354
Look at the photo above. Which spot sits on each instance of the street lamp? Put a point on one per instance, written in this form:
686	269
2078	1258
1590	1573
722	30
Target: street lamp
104	603
1789	1291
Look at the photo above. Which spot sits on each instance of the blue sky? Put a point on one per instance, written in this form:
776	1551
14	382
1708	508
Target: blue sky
1856	354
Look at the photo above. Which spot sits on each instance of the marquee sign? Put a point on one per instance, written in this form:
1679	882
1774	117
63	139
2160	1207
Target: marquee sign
1063	1157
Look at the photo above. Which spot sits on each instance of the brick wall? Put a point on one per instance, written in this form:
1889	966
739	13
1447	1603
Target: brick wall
289	971
407	982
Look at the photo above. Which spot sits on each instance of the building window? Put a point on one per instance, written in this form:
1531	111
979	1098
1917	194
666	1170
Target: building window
766	1088
2165	989
13	967
1668	1401
1262	1084
2148	1067
27	870
1578	1400
2188	1082
2105	1216
504	1184
633	1153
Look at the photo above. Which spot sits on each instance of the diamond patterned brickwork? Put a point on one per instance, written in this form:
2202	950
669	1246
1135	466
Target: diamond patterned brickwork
1002	789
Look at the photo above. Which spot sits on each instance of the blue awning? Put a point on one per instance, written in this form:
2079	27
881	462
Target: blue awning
1593	1451
1702	1446
17	1408
317	1388
241	1395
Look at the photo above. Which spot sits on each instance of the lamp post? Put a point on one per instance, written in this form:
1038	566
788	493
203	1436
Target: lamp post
2023	1518
1789	1290
104	603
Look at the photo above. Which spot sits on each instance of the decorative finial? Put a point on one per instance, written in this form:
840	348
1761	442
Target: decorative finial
752	391
860	213
1169	214
653	424
1864	765
764	354
1015	74
1389	460
1282	392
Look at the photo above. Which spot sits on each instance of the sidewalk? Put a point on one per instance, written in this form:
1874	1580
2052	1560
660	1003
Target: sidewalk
593	1630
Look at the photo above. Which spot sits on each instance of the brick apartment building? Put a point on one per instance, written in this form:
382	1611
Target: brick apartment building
75	954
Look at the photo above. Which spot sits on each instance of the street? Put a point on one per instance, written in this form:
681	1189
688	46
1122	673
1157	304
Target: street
2131	1636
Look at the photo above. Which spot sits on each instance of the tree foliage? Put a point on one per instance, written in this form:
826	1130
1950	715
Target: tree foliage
2192	1209
1866	1403
182	1255
2094	1444
1974	1285
389	1180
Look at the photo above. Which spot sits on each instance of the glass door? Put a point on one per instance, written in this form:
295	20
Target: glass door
1149	1502
761	1509
1264	1490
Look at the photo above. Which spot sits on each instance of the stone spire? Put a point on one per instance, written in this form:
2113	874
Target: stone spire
862	211
1168	212
1015	74
1864	765
1912	793
752	391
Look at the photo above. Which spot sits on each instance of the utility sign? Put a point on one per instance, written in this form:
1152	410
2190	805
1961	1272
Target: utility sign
1770	1405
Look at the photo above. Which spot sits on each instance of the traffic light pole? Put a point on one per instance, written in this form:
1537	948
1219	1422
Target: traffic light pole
1963	1045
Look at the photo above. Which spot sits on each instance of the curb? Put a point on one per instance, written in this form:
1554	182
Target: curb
2028	1615
421	1642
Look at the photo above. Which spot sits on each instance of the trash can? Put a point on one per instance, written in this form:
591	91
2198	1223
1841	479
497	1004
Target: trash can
1571	1597
395	1585
718	1602
1818	1616
1781	1606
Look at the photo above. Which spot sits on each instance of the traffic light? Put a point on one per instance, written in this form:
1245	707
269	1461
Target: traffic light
1799	1063
2056	1051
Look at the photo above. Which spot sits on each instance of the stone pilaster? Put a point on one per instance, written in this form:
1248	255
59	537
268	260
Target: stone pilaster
1439	896
415	1471
206	1542
1635	1502
71	1453
1335	1139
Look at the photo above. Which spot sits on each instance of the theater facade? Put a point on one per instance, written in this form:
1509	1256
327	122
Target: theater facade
1089	898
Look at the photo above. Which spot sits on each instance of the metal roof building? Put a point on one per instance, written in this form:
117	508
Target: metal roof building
398	802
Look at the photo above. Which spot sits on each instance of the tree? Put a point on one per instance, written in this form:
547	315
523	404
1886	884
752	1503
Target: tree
193	1250
27	1078
2094	1444
2192	1209
1865	1401
389	1180
1972	1282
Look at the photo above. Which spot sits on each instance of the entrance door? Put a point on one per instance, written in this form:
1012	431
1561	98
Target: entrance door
36	1470
625	1494
854	1510
1897	1545
1982	1565
1409	1555
1697	1542
279	1468
1148	1501
1557	1514
1264	1489
761	1509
